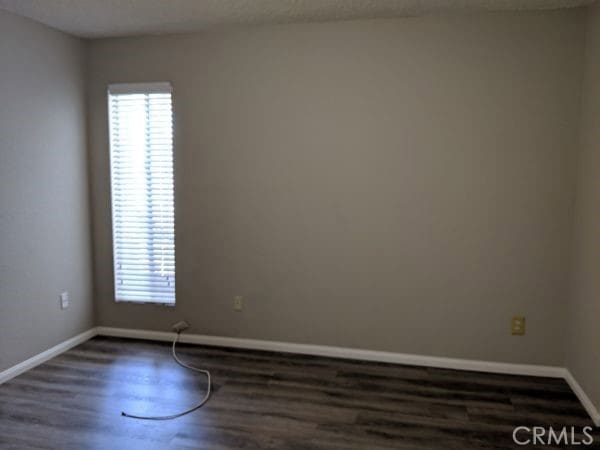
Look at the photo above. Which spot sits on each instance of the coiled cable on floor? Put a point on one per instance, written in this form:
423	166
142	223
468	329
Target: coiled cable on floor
187	366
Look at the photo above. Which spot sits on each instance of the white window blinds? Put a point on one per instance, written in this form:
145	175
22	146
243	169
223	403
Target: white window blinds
141	155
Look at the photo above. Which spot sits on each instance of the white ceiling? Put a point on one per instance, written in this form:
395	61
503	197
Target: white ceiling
106	18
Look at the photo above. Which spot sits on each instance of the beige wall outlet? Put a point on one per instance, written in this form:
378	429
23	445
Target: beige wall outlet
238	303
518	325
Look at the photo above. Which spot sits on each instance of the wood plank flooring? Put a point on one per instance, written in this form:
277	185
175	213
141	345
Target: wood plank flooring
268	400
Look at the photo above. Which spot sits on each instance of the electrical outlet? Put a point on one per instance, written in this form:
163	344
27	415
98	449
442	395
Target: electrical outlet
238	303
518	325
64	300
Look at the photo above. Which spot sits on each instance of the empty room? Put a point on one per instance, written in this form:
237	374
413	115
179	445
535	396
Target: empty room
299	224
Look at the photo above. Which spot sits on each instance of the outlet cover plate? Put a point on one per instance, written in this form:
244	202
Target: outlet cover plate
518	325
238	303
64	300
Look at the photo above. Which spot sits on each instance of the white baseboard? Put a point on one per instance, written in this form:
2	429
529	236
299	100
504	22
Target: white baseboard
342	352
316	350
38	359
583	398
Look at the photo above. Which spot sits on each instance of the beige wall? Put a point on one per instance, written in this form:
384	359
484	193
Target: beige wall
44	225
583	357
401	185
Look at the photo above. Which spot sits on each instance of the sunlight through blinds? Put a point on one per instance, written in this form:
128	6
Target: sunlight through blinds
141	156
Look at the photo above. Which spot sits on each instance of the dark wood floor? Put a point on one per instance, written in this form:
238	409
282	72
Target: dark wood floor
268	400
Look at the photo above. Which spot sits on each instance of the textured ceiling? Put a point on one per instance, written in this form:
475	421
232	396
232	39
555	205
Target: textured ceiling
105	18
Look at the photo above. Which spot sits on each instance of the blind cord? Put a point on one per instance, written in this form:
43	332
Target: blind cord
187	366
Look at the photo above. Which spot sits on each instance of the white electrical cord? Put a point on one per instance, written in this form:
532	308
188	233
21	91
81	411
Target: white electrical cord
187	366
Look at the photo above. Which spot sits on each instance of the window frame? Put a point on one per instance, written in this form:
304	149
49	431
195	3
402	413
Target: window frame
139	88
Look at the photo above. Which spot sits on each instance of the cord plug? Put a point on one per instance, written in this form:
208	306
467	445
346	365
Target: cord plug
180	326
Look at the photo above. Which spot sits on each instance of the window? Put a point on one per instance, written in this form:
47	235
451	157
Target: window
141	163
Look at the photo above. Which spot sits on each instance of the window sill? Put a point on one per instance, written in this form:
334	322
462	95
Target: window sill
148	302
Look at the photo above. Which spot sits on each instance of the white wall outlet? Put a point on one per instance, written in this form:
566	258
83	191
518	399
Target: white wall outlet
64	300
238	303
